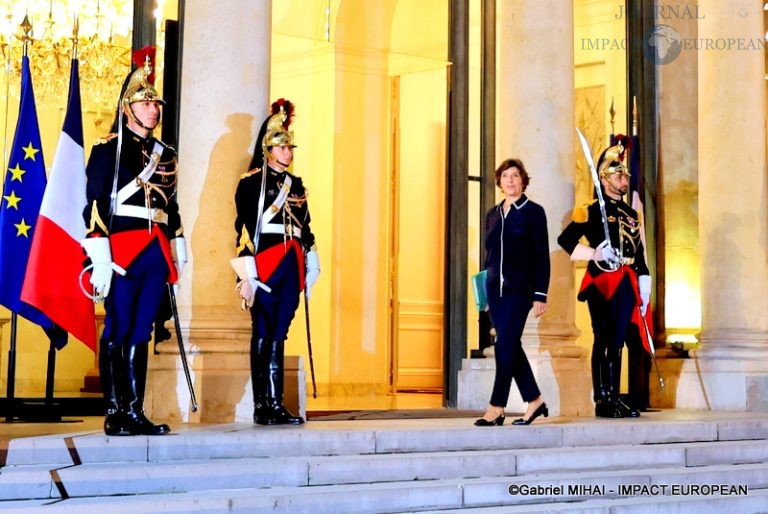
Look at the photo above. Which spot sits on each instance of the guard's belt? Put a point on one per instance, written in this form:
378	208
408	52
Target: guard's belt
279	228
137	211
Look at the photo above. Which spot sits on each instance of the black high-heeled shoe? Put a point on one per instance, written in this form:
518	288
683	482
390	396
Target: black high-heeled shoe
540	410
482	422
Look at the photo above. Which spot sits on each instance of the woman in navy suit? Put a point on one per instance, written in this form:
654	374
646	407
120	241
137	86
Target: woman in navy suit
517	262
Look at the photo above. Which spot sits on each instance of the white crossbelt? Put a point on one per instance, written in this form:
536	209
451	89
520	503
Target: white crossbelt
137	211
278	228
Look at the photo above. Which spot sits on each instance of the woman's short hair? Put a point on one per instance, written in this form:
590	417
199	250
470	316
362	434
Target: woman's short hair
512	163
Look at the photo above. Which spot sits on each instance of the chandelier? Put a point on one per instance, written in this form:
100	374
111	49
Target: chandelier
97	32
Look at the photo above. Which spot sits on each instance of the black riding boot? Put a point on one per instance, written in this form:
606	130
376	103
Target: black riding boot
258	380
109	369
625	410
603	406
134	382
599	392
276	413
607	407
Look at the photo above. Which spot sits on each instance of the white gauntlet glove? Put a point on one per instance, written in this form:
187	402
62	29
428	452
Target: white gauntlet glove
100	254
312	261
644	282
606	253
179	253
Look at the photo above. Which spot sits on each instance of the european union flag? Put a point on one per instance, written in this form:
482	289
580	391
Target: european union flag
23	189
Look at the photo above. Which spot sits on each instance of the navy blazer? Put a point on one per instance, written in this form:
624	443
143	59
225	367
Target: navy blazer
517	250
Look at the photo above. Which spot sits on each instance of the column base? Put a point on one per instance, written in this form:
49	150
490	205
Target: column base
562	374
222	380
714	377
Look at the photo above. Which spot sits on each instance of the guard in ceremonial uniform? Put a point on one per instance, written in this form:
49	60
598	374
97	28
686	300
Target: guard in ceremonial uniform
617	283
136	246
276	258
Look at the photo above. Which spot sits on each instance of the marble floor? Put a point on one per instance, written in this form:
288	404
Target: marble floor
79	424
322	404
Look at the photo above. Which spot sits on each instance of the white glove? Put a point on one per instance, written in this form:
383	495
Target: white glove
606	253
312	261
98	251
644	282
179	253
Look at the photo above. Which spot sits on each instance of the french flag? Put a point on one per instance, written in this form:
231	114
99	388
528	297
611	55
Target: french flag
52	280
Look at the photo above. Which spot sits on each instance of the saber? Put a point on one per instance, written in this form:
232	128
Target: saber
652	350
598	190
309	344
182	352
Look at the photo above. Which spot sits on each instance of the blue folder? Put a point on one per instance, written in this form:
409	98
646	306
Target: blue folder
478	289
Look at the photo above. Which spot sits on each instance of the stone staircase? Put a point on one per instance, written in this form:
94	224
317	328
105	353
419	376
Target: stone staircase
668	461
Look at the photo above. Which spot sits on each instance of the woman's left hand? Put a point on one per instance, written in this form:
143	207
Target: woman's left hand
539	308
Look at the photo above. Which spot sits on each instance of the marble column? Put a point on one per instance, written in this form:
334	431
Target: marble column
730	370
536	125
224	98
677	197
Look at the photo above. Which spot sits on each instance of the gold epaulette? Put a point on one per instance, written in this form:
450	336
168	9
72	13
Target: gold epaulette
581	214
247	174
105	139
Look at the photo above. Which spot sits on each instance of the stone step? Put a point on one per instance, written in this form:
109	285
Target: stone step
390	466
471	495
544	467
18	482
122	478
239	440
104	479
645	482
755	503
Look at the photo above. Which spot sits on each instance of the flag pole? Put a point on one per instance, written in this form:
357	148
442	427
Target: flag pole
50	375
7	90
10	414
11	386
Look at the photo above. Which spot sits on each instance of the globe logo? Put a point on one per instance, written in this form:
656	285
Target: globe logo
662	44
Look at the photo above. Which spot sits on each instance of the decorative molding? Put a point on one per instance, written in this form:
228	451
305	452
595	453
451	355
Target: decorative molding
423	320
419	315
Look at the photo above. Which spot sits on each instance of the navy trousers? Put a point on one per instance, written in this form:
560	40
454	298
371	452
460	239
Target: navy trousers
611	322
509	313
611	318
272	313
134	299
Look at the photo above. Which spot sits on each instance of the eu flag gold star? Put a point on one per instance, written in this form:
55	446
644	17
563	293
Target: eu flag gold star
23	228
30	151
13	200
16	172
